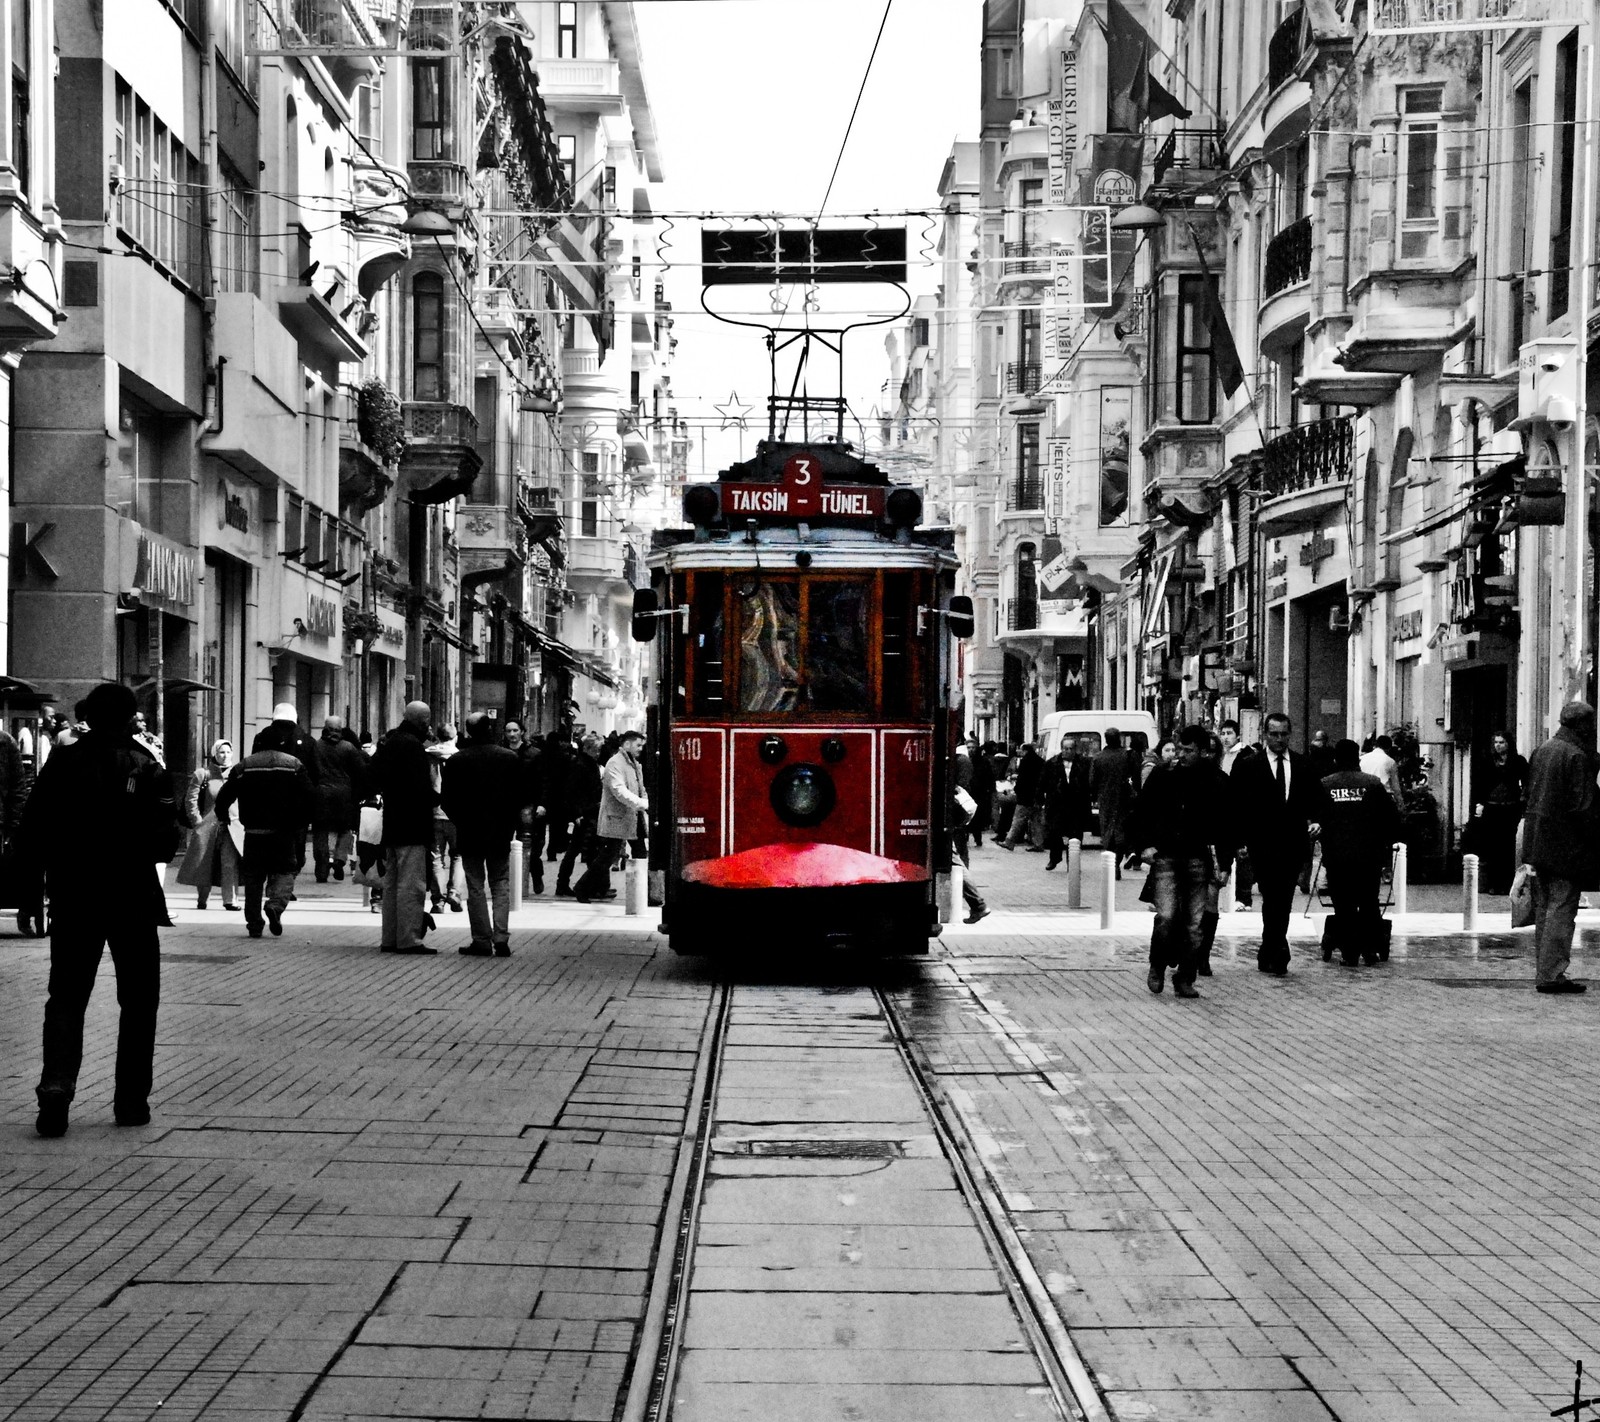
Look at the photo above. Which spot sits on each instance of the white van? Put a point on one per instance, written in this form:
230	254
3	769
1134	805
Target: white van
1088	729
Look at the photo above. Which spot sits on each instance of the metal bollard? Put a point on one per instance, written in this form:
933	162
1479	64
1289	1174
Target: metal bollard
516	874
1469	892
1226	900
1108	889
1401	869
1074	873
635	888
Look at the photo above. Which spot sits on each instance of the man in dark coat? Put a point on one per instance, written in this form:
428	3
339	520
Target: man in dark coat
404	779
485	787
1184	815
275	805
1111	788
1027	820
284	733
1280	804
1066	799
1360	826
536	818
1558	840
342	788
582	794
102	893
965	777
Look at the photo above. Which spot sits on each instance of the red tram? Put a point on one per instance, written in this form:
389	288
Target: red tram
803	723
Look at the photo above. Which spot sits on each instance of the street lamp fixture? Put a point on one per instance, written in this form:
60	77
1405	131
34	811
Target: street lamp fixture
427	222
1137	217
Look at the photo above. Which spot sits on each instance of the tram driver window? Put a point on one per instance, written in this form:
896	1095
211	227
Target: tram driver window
838	646
769	627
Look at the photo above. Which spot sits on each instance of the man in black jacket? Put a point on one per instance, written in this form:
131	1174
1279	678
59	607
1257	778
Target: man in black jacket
104	894
1183	814
343	786
1065	789
405	780
583	810
485	787
1280	803
1359	828
1027	820
274	795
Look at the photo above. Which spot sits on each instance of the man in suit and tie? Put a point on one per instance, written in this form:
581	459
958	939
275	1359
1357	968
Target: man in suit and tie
1279	800
1066	799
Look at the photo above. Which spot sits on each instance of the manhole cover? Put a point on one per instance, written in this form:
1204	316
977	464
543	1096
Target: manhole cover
836	1148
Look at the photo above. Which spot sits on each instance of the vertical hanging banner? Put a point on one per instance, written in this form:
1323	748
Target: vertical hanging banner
1064	128
1063	152
1057	492
1116	453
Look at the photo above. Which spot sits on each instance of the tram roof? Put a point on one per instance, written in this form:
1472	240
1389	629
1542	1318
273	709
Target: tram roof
835	461
831	549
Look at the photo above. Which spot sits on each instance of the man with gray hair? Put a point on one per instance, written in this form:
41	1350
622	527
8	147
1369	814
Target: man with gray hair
1558	841
406	783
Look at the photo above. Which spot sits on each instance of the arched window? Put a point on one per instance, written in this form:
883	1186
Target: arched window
427	336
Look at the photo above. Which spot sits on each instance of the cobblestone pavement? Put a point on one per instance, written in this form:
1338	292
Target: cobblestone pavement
430	1187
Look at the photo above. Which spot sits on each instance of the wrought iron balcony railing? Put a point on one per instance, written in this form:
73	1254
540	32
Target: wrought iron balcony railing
1288	257
1284	50
1022	614
1308	455
434	422
1025	258
1023	377
1188	155
1025	493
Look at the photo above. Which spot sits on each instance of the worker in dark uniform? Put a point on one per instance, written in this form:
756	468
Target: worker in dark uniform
1359	829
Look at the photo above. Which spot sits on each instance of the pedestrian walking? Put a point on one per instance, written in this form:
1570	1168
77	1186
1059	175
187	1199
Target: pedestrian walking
559	761
1233	751
1321	755
1212	917
535	817
212	858
583	802
621	819
1499	801
1280	805
445	877
485	788
982	792
283	733
1065	788
1111	787
1183	821
964	778
339	794
99	820
1359	828
405	780
1378	759
274	794
1027	819
1559	840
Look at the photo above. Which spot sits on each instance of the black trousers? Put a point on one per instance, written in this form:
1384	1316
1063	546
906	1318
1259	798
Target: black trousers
599	855
76	946
1276	881
533	853
1353	886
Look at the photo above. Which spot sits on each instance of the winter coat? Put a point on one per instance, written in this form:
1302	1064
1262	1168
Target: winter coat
582	788
1066	795
484	790
16	780
1559	831
1186	811
286	736
1361	822
100	818
622	798
982	790
274	795
343	784
1111	785
208	836
1030	772
402	773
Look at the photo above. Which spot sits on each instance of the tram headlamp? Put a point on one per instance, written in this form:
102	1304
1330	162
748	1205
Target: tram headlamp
773	749
803	795
702	505
904	508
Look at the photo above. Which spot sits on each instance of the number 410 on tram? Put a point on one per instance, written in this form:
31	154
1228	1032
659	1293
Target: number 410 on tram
805	718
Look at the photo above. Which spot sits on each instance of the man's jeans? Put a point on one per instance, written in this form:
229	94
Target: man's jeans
331	846
405	891
488	895
76	946
1555	914
1027	822
268	865
1179	887
444	868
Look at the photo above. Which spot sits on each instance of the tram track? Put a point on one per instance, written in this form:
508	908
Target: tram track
650	1392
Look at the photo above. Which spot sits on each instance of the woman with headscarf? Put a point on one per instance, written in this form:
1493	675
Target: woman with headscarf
212	858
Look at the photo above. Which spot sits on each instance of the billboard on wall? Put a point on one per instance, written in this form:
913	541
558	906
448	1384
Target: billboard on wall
1417	17
1116	453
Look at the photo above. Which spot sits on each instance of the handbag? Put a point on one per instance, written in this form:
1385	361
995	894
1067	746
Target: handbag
965	803
371	831
1522	913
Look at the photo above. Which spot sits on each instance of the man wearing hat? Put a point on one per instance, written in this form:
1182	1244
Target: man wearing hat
107	896
285	734
623	804
275	801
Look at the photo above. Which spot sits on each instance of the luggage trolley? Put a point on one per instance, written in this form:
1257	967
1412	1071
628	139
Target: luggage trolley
1353	953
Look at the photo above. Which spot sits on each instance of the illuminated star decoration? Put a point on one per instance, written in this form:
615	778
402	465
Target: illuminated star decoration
733	413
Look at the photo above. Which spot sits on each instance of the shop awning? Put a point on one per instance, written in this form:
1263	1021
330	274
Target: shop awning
182	685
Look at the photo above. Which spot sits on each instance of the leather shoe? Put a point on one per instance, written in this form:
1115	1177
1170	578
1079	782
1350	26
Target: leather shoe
275	922
1183	989
475	950
502	950
255	930
234	908
132	1115
1052	864
52	1121
982	911
454	900
1204	970
1562	985
563	892
1157	980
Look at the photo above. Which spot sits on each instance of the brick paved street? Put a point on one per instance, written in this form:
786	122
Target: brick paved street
430	1187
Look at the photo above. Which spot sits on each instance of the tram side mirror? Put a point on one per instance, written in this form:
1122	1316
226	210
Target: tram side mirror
960	618
646	606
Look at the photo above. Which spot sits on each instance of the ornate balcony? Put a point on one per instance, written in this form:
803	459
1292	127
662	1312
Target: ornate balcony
441	457
1023	377
1303	472
1289	257
1022	614
1024	259
1284	50
1187	158
592	85
1025	494
1286	300
371	438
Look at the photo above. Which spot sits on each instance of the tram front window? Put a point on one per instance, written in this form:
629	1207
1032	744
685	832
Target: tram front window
769	638
838	646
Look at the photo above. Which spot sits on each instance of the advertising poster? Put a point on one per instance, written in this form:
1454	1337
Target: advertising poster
1116	453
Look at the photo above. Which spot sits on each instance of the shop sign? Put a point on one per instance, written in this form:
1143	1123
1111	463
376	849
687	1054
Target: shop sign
166	571
391	638
235	511
1316	551
1408	625
322	617
1418	17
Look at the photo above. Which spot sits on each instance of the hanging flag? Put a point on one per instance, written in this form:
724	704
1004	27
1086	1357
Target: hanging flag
575	249
1224	353
1133	94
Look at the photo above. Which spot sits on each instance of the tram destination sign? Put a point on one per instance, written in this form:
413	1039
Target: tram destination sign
802	493
1415	17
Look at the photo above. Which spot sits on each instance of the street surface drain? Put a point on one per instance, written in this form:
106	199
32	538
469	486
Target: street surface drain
203	957
815	1149
1520	983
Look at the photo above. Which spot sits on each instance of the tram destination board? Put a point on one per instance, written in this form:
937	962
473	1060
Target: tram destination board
731	256
801	493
